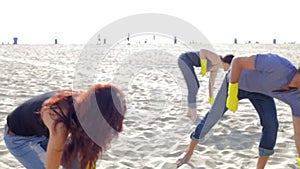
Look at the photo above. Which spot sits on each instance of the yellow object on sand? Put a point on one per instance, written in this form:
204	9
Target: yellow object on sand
232	98
203	63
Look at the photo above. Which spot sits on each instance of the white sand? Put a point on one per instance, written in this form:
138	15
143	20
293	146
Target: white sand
156	129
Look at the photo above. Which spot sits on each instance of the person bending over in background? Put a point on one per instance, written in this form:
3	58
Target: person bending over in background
208	61
260	78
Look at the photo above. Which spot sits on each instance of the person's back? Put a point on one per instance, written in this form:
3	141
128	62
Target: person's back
271	73
25	119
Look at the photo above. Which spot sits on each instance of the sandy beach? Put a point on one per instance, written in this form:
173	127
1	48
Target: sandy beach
156	129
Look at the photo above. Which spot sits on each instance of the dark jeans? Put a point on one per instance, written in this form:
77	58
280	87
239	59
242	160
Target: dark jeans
265	107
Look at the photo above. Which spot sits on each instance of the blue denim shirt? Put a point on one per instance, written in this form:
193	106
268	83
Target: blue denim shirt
272	72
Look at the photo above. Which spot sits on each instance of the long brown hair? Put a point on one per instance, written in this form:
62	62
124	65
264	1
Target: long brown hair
65	98
103	100
81	144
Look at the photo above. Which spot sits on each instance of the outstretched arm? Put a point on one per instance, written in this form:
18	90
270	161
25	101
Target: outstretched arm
212	78
216	61
188	154
296	122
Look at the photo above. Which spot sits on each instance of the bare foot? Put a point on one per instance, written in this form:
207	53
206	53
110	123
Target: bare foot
192	114
183	160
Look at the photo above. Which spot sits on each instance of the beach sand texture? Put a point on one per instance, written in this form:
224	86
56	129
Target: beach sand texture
156	129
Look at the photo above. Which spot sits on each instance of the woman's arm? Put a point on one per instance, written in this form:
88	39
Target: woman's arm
237	66
212	78
216	61
57	139
296	122
188	154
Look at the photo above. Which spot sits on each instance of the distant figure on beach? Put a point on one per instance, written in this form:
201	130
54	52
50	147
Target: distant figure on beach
235	41
99	38
260	78
208	61
46	130
128	38
15	40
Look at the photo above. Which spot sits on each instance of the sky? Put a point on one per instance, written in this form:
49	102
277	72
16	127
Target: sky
76	21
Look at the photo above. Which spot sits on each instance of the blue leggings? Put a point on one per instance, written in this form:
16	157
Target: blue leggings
265	107
186	63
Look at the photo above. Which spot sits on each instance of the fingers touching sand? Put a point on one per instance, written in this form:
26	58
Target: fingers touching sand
183	160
